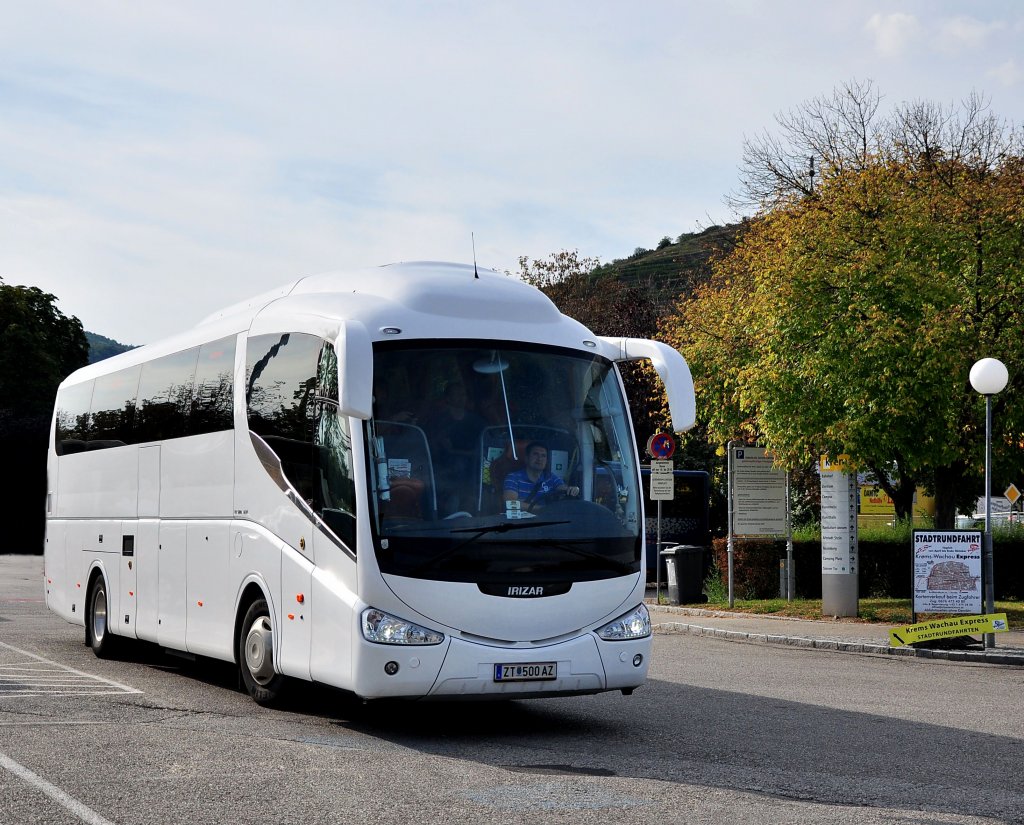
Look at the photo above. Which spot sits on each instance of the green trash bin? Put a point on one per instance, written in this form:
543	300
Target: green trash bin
684	569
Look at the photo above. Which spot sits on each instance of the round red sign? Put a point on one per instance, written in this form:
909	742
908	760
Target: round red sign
661	445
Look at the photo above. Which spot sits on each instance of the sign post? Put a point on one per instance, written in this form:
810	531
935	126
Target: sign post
661	447
758	499
839	574
1012	495
947	571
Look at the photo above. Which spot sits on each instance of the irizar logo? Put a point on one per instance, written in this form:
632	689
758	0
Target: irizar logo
516	590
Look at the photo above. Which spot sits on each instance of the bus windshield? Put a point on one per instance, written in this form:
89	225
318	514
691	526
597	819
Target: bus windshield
498	462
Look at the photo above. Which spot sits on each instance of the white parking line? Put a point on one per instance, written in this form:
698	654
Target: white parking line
39	677
83	812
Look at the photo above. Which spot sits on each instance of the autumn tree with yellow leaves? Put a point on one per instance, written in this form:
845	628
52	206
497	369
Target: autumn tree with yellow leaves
886	257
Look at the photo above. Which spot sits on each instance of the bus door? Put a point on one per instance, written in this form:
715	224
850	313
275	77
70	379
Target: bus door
127	590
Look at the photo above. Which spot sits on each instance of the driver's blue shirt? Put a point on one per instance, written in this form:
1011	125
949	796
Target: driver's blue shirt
519	482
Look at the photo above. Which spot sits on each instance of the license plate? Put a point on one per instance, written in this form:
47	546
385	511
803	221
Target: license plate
529	672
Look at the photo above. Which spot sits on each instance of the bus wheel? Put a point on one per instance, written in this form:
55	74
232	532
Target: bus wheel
256	655
97	628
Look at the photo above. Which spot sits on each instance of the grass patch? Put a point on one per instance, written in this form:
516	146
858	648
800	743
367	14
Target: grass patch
881	611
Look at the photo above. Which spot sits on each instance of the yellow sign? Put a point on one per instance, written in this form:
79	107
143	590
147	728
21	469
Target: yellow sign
875	500
1012	494
943	628
839	464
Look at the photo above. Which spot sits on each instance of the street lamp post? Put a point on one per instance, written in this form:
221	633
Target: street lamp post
988	377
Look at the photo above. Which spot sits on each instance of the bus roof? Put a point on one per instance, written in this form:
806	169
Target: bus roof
402	301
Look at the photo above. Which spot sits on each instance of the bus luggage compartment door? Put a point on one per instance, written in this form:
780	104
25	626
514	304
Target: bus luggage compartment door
126	618
171	565
296	613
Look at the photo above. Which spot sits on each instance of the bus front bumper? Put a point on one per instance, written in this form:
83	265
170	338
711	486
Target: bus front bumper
459	668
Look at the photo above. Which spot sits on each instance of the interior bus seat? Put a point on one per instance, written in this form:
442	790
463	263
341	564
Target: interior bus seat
505	464
410	472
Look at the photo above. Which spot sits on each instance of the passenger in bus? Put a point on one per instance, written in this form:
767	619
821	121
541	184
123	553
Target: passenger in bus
534	485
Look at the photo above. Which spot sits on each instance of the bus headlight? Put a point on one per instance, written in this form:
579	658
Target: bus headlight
384	629
634	625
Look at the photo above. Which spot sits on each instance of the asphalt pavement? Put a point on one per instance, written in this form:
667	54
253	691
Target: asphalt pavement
844	635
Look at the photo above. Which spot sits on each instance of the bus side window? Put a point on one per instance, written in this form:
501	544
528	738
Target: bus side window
113	409
285	375
213	406
336	499
165	396
72	426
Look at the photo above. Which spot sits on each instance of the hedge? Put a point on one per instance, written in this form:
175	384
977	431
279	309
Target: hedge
884	568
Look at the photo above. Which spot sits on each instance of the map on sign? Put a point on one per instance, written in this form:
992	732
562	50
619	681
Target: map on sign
947	571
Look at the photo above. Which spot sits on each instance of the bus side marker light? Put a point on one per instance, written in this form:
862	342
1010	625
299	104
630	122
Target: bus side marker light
131	592
291	616
300	598
199	603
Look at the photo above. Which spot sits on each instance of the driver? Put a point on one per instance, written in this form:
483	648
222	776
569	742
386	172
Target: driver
534	485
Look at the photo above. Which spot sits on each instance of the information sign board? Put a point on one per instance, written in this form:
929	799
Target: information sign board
663	486
838	523
758	494
947	571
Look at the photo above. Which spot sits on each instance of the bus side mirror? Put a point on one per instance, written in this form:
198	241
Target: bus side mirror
671	367
355	370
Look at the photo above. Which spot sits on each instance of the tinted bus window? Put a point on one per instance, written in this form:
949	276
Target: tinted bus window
281	378
335	497
113	409
213	406
165	395
72	426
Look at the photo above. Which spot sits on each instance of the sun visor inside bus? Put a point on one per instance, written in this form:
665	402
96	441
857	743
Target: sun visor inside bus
355	364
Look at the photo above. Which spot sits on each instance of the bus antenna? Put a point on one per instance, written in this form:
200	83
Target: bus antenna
472	239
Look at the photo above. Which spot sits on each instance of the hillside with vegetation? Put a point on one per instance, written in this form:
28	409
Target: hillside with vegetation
674	267
101	347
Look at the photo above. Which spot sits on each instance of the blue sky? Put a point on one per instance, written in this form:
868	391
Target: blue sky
161	160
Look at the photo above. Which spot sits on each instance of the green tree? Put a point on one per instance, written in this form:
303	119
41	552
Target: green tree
610	307
41	346
848	317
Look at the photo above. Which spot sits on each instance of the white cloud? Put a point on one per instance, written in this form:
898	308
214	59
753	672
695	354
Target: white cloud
1007	73
893	33
959	34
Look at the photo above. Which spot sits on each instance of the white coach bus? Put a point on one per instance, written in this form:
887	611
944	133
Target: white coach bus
316	484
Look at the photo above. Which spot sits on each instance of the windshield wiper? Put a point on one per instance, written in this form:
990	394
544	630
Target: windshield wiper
505	526
500	527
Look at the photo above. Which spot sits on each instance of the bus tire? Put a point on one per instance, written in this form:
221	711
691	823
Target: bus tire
97	624
256	655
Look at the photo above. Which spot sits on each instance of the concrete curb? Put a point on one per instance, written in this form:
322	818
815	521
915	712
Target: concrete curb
994	657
